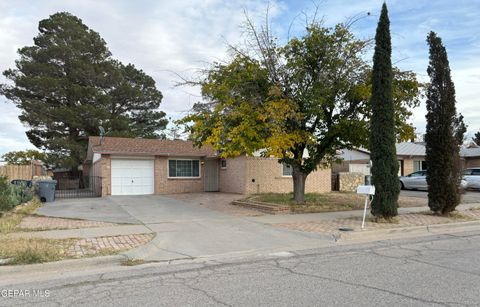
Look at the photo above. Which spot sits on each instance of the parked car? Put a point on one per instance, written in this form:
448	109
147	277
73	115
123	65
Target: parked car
418	181
414	181
22	182
472	177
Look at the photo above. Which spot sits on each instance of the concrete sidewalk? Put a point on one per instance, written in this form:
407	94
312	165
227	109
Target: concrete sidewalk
84	232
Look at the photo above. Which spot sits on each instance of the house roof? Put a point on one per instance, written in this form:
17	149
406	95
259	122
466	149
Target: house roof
418	149
470	152
403	149
138	146
356	154
410	149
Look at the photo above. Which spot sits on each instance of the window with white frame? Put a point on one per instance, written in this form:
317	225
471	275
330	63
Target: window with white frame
223	163
287	170
184	168
419	165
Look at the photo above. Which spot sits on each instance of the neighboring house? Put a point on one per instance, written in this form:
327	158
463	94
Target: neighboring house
130	166
470	157
353	160
410	156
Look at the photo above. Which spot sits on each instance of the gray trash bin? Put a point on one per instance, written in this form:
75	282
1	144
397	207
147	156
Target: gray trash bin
46	190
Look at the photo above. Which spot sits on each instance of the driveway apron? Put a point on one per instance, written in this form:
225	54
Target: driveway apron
185	229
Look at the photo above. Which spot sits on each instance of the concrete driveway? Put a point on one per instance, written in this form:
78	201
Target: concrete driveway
186	229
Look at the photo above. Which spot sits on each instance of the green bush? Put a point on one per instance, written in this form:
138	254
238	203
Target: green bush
8	197
23	193
11	196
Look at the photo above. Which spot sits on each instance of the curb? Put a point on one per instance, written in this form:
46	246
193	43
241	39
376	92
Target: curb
82	263
370	235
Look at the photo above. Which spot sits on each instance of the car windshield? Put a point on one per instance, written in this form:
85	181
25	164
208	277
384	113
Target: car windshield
417	174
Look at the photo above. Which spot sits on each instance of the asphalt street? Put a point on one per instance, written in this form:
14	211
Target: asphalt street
469	197
441	270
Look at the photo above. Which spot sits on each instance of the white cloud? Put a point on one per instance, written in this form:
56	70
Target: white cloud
12	132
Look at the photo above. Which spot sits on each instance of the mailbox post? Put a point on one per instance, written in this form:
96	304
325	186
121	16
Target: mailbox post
366	190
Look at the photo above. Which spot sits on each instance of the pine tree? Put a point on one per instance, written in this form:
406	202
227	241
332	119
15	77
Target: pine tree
476	138
445	130
67	84
382	133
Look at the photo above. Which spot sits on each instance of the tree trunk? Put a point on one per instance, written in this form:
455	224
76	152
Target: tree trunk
299	179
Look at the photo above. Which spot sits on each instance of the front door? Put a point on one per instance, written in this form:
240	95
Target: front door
211	175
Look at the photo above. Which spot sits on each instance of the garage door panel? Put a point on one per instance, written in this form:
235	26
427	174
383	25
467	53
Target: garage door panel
132	177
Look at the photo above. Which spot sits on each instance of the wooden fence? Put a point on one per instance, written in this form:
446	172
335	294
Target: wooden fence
25	172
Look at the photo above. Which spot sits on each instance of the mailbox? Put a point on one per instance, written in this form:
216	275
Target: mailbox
366	189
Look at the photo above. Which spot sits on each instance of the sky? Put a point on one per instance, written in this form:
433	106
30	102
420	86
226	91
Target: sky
168	38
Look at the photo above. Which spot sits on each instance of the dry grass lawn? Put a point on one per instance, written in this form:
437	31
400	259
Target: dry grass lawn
32	250
25	250
10	220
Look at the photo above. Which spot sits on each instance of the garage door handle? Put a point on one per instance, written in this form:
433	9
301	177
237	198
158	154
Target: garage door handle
132	181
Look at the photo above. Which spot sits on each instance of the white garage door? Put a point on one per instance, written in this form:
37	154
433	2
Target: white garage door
132	177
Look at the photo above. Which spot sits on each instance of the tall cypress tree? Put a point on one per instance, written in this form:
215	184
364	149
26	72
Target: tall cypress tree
382	133
444	132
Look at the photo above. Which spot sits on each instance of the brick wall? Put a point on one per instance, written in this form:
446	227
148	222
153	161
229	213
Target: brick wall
165	185
407	166
232	178
267	173
105	171
236	178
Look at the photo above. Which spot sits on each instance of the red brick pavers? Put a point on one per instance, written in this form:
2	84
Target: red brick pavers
94	246
45	223
404	220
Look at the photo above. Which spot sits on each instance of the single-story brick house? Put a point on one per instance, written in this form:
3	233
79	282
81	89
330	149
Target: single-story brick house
137	166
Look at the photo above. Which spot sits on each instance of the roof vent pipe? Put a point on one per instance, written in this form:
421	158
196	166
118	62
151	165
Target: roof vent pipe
102	133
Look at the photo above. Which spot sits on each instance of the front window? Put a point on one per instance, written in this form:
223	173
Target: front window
184	168
287	170
419	165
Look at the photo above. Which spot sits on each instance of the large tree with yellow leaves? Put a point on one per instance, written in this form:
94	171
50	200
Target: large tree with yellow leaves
300	102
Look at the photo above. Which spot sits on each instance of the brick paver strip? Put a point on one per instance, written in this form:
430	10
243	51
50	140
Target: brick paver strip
92	246
45	222
404	220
